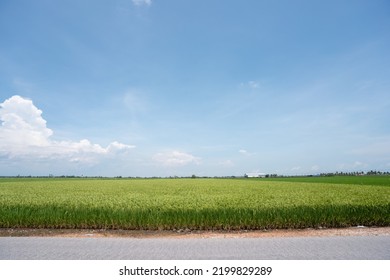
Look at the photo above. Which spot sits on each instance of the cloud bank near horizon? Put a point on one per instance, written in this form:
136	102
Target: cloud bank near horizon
25	135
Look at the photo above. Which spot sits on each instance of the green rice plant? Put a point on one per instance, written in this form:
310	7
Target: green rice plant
187	203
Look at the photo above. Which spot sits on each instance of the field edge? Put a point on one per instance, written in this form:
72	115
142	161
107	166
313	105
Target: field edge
101	233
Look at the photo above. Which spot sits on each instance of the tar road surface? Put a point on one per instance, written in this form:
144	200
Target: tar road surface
278	248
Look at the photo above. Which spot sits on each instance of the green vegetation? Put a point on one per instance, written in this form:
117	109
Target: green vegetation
355	180
194	203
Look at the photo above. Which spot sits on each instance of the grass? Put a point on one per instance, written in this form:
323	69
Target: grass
193	203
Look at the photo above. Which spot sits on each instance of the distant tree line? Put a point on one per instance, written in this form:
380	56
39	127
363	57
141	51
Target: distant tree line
356	173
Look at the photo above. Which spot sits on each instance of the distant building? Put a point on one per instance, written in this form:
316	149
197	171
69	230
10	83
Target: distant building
255	175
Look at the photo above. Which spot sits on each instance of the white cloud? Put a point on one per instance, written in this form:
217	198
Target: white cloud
22	123
24	134
116	146
142	2
175	158
296	168
245	152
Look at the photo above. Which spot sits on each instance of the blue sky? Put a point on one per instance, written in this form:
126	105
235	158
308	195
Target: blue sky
179	87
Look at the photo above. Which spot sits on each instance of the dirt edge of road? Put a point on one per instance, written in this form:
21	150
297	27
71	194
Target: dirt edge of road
350	231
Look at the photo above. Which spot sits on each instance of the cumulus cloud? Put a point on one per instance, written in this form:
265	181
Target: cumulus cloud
142	2
175	158
22	123
24	134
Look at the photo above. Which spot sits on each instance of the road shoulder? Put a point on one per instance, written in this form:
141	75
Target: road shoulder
350	231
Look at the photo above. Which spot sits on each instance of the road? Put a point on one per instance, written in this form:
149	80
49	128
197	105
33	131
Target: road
119	248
